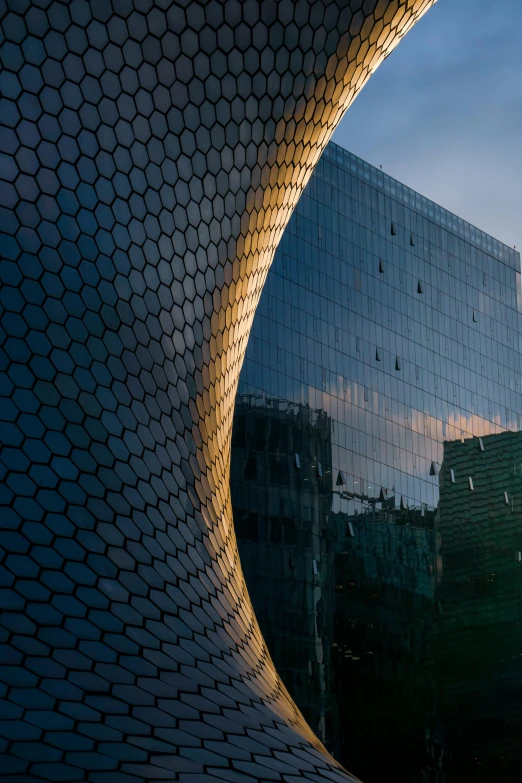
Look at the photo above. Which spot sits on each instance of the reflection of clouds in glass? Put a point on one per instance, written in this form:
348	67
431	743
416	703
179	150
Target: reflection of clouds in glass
445	427
430	431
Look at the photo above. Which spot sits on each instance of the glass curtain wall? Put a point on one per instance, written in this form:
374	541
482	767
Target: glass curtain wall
386	343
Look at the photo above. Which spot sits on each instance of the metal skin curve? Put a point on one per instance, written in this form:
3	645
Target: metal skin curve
152	153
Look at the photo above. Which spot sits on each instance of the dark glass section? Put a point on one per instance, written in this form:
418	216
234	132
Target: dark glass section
407	342
478	659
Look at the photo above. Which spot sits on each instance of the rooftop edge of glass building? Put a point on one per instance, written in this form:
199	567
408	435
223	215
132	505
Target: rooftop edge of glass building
397	326
424	206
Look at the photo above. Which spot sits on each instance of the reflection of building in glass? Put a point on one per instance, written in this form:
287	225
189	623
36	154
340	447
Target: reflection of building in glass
281	487
400	323
385	571
479	646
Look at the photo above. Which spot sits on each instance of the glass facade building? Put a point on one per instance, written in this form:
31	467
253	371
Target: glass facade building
375	478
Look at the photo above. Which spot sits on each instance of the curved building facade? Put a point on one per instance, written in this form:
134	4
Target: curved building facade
376	479
152	154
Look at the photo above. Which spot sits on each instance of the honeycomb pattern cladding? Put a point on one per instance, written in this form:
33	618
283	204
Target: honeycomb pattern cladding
151	155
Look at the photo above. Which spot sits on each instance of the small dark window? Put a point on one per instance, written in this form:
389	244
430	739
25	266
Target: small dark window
276	531
297	460
433	469
420	288
412	241
377	355
392	230
474	316
397	363
250	469
246	525
340	479
366	394
381	266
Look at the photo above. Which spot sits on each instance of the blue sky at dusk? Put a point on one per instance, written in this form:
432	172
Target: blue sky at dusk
443	113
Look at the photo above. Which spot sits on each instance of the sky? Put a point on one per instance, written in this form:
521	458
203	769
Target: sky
443	114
